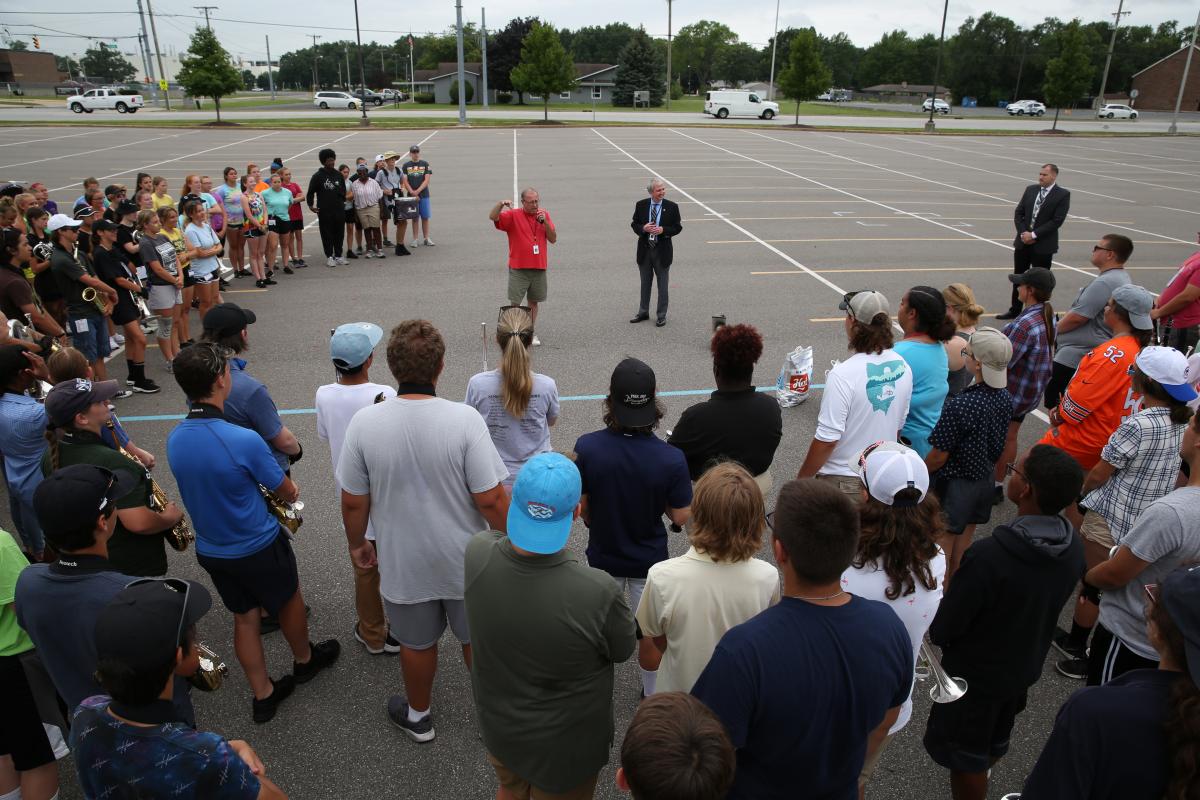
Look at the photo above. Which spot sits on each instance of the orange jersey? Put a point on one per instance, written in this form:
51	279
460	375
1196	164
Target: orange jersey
1098	398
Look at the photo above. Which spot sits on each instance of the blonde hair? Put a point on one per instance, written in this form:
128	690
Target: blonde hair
961	298
66	364
144	216
514	334
728	514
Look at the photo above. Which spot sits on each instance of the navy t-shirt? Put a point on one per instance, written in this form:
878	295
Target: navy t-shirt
799	688
630	480
1108	742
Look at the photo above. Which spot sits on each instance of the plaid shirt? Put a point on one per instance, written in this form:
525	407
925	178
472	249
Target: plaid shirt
1030	365
1145	451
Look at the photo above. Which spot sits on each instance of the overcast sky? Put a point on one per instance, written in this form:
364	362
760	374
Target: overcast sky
753	20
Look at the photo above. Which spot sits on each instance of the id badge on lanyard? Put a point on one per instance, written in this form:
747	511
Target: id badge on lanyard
533	235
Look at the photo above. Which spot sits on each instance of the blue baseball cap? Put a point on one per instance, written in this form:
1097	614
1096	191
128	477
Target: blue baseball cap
544	498
352	344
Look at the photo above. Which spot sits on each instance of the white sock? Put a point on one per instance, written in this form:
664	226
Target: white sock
417	716
649	680
999	483
15	794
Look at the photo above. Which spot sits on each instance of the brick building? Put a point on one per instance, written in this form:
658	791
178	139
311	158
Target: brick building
29	69
1158	84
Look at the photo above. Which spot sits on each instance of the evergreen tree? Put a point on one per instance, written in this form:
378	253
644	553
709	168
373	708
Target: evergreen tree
640	68
109	65
545	67
1069	76
207	71
504	53
806	75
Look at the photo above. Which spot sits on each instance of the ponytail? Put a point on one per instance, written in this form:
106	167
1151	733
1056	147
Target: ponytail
1182	724
52	441
514	334
1048	318
961	298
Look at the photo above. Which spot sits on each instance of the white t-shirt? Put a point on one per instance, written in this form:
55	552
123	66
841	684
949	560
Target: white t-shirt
866	400
420	461
916	610
336	405
693	601
517	440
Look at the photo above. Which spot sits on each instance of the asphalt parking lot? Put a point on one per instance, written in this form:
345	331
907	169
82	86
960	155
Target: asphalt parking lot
777	224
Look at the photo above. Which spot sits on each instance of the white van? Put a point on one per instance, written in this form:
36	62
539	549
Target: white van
731	102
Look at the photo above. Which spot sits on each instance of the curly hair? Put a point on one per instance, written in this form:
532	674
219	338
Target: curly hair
873	338
901	541
735	351
1182	724
611	423
728	516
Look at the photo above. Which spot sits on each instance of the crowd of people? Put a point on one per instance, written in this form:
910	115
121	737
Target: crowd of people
754	675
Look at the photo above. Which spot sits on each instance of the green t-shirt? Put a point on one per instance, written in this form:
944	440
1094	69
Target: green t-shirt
130	553
13	639
545	634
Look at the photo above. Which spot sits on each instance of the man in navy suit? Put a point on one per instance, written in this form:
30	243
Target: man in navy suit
1039	215
655	221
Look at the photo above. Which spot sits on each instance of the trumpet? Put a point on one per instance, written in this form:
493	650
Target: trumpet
181	534
212	670
287	513
945	689
100	301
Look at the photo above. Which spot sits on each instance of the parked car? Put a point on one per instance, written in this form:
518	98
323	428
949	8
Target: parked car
334	100
393	95
1116	111
1022	107
726	102
826	95
257	89
940	106
374	98
93	99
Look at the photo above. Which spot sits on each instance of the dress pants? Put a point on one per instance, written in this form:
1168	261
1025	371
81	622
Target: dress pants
1023	259
652	271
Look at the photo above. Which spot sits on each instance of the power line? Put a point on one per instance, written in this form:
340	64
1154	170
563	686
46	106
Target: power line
205	10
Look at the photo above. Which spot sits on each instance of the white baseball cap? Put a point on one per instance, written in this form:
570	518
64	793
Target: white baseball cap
1169	368
59	221
887	468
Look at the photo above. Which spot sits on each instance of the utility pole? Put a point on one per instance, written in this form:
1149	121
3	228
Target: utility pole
774	44
462	75
205	10
412	79
270	74
316	79
158	53
937	71
1112	43
483	53
669	82
1187	65
362	72
348	68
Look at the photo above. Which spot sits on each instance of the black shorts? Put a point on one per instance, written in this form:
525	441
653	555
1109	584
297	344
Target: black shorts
279	225
251	232
296	225
125	312
972	732
188	279
352	218
21	733
266	579
965	502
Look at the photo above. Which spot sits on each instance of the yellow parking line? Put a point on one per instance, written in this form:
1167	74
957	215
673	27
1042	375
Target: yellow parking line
929	269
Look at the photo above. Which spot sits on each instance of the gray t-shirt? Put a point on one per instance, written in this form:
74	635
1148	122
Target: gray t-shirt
517	440
1167	535
1090	302
420	461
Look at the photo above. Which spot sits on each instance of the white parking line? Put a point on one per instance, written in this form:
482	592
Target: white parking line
60	156
1101	160
514	194
48	139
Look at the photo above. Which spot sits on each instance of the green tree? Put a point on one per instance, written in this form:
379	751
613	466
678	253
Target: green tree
841	56
68	65
739	62
443	47
454	91
107	64
247	79
699	47
640	68
263	81
806	75
206	70
599	45
1069	76
545	67
18	44
890	60
504	54
984	57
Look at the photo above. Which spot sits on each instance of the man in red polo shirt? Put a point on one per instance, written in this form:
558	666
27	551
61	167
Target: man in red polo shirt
1178	307
530	232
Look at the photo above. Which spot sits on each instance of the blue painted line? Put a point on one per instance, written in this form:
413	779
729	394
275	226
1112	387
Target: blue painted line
568	399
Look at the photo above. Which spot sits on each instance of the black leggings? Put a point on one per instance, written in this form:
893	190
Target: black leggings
333	231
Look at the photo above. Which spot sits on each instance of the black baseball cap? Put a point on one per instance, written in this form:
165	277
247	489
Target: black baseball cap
126	207
12	361
83	211
104	225
70	498
142	624
73	396
416	148
1180	592
1037	277
113	188
631	393
226	318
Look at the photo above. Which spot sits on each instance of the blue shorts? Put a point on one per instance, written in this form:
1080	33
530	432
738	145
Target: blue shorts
424	208
93	342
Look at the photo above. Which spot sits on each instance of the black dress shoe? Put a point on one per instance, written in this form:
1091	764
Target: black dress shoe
1010	314
640	318
658	323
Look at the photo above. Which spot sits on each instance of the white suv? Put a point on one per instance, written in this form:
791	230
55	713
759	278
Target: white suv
941	106
334	100
1116	111
1022	107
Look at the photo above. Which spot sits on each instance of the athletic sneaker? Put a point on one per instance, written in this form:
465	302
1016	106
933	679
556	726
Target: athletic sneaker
288	270
380	254
342	261
387	242
264	710
1062	643
113	344
301	263
401	250
428	242
360	250
415	243
1076	668
170	366
323	655
369	254
390	645
351	254
122	394
536	341
417	731
331	262
118	338
146	386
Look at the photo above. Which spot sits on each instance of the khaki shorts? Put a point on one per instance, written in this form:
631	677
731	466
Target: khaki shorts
523	790
851	487
368	217
1094	528
523	282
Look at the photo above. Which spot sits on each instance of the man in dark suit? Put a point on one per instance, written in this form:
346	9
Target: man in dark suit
655	221
1039	215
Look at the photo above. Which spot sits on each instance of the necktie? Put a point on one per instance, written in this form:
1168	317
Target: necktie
1037	206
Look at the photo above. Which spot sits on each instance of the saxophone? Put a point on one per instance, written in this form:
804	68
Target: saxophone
179	536
287	513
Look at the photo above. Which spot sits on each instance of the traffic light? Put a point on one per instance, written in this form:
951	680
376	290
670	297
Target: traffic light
37	44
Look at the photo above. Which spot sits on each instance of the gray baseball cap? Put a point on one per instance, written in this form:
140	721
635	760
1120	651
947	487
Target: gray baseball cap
864	306
1138	302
